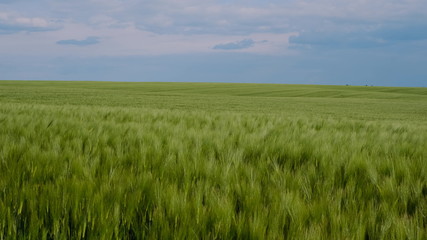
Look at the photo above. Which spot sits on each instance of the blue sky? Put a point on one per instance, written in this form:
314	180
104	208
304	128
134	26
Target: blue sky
358	42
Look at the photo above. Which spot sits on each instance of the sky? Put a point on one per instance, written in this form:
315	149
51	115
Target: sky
354	42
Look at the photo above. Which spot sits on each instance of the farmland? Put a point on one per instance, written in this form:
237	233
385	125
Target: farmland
102	160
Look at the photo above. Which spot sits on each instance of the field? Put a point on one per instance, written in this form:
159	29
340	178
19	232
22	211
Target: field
98	160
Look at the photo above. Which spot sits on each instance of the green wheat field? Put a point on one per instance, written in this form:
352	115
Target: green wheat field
105	160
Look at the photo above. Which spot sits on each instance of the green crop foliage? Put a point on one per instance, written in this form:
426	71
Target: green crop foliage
103	160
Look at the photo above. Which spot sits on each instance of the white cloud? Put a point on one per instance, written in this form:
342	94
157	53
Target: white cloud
131	40
13	22
126	27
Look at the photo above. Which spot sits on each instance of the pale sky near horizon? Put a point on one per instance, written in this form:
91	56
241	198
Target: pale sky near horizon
358	42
